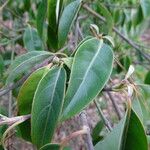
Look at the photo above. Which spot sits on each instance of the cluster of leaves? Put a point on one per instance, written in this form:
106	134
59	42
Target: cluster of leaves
60	85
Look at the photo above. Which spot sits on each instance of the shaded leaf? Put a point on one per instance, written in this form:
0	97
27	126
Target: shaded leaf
91	70
1	65
136	106
41	16
32	41
96	132
47	105
145	5
105	12
68	16
147	78
25	62
54	9
25	98
129	134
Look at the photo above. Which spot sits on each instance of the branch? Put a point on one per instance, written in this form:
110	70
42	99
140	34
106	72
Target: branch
71	136
119	114
104	119
88	135
131	43
9	121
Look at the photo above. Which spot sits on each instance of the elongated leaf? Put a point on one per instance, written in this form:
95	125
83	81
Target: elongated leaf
96	132
25	62
54	9
52	4
138	18
147	78
68	16
129	134
47	105
41	16
1	65
104	11
145	4
91	70
25	98
32	41
136	106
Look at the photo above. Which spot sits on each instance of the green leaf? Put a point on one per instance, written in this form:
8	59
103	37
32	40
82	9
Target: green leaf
135	134
145	5
41	16
96	132
47	105
104	11
50	147
129	134
54	9
136	106
138	18
25	98
144	98
68	16
1	65
147	78
32	41
91	70
25	62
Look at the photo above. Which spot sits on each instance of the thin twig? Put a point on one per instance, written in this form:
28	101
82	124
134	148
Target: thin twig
104	119
88	135
65	141
119	114
12	120
130	42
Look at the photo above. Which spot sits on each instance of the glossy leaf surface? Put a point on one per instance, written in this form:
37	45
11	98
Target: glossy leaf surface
91	70
47	105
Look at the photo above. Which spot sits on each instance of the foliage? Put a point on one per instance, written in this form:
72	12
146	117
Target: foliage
73	50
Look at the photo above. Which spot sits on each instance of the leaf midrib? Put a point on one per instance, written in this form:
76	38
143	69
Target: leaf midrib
89	67
55	84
